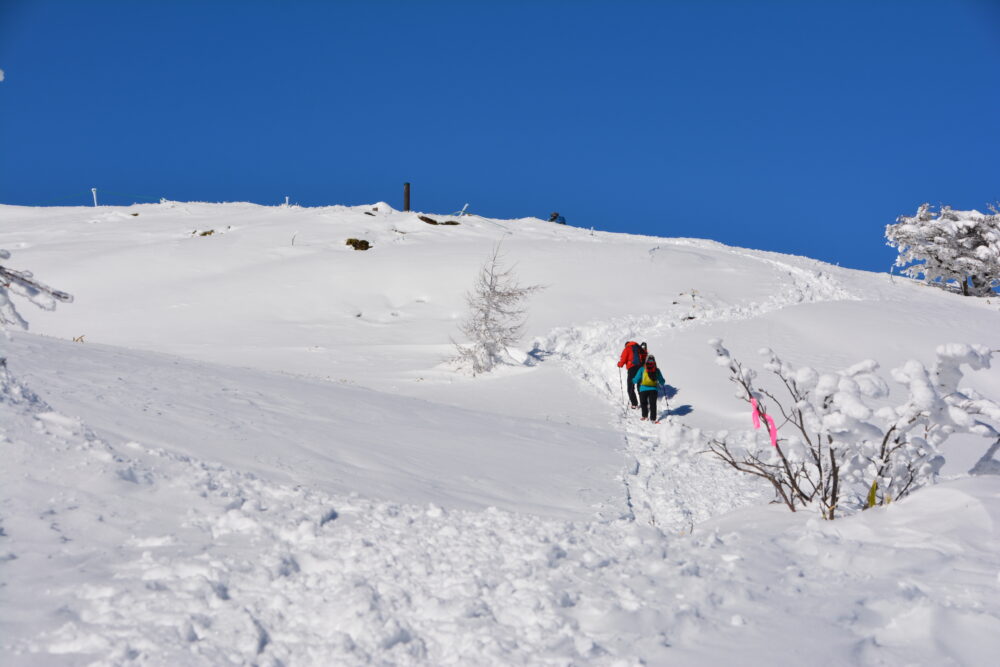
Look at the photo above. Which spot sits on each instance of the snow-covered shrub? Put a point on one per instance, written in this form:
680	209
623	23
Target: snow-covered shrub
496	316
953	246
832	448
23	283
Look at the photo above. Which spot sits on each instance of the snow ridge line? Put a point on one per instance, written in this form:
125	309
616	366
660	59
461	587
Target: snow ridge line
668	483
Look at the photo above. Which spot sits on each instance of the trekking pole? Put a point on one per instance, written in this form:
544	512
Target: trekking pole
621	384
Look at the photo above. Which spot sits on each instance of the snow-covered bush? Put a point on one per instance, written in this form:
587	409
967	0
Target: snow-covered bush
496	316
828	447
23	283
953	246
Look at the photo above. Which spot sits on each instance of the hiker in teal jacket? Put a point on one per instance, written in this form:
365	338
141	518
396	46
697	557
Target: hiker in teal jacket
649	379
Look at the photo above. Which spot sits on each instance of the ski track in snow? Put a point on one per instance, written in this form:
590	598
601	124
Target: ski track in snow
669	482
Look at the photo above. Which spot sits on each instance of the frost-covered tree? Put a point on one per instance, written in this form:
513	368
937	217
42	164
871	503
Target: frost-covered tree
828	447
23	283
496	316
951	246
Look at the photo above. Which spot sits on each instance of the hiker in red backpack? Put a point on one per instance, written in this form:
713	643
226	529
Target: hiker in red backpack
633	357
650	379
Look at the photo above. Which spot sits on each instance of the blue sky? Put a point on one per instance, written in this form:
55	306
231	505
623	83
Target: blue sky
801	127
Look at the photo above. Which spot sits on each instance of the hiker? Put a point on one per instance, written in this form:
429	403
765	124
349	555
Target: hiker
650	379
555	217
633	357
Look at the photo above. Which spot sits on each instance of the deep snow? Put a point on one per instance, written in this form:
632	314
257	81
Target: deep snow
257	454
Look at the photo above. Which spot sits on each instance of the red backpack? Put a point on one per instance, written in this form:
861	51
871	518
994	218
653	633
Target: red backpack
638	354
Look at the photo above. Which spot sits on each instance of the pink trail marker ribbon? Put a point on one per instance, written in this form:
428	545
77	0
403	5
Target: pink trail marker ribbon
772	430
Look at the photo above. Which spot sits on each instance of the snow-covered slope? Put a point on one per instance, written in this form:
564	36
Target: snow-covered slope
256	454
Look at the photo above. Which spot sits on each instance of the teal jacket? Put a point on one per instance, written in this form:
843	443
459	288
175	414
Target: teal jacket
657	377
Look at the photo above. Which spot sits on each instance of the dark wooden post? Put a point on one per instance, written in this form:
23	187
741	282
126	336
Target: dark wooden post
406	196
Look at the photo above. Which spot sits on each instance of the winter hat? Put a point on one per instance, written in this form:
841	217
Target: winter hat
643	345
650	360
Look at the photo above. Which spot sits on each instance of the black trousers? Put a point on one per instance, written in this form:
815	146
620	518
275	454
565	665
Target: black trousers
647	400
631	386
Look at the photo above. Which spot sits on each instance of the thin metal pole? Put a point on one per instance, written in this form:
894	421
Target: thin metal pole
93	191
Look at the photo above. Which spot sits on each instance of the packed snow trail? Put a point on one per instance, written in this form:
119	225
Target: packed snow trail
670	482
